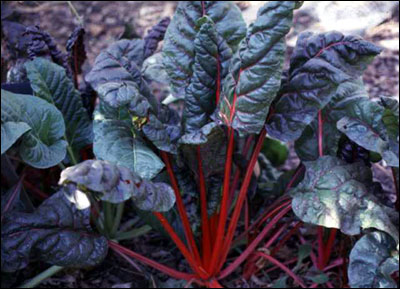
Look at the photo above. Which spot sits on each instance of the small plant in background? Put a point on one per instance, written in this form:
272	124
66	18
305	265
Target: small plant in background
229	91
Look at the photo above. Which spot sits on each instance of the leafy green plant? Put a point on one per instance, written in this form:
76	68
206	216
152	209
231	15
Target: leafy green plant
235	93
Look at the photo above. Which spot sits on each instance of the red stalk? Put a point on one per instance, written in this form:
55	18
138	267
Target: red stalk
181	208
36	191
283	267
236	177
214	284
286	238
224	205
167	270
291	261
246	215
321	248
242	195
268	215
181	246
228	270
13	196
252	267
206	243
329	246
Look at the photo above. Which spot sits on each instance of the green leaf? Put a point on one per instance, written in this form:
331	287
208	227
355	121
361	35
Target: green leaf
43	146
391	116
307	145
372	261
10	132
211	63
319	64
320	278
349	97
56	233
119	67
116	184
303	253
163	131
390	119
276	151
366	128
50	82
256	69
211	140
335	194
116	141
158	197
179	44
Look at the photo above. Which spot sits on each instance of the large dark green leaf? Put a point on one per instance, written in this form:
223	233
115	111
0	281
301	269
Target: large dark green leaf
50	82
335	194
211	63
163	130
116	184
372	261
350	99
211	141
256	70
11	131
391	120
119	67
116	141
319	64
56	233
43	145
179	44
117	78
364	125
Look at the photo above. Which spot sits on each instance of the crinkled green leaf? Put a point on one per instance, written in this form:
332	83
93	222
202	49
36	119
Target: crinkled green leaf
350	98
211	64
372	260
211	140
157	197
119	68
390	119
335	194
256	69
307	145
391	116
43	146
179	44
116	141
50	82
10	132
163	135
56	233
319	64
117	78
365	127
116	184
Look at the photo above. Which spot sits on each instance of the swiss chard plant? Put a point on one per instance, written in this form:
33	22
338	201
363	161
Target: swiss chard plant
218	141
